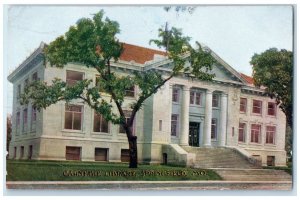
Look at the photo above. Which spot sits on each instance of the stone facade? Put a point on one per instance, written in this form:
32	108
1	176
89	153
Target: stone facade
184	112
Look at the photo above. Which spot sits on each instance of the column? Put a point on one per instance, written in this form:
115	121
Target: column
223	120
208	115
168	136
184	132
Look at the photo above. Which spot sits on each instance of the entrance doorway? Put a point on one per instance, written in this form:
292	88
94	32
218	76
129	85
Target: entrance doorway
194	134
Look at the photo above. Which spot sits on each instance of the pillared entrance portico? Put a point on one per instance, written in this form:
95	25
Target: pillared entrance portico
185	119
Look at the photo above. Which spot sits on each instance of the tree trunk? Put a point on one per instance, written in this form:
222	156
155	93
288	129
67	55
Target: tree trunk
132	152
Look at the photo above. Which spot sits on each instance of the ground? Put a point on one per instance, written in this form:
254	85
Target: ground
96	171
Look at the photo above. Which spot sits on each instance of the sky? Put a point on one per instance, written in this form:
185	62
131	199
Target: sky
235	33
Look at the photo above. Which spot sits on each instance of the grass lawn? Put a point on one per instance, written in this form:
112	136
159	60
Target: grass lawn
288	168
96	171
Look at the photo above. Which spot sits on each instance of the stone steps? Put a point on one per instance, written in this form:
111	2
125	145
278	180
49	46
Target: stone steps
218	157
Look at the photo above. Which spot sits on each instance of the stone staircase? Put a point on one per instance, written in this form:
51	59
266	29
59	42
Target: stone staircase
219	157
253	175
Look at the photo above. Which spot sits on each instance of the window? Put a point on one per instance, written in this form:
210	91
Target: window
100	124
19	92
127	117
242	132
243	105
130	91
270	135
160	125
30	152
26	82
175	95
213	128
174	125
73	117
271	108
256	108
15	153
22	152
215	100
101	154
195	97
73	153
33	118
255	133
18	121
125	155
35	76
73	77
25	115
270	160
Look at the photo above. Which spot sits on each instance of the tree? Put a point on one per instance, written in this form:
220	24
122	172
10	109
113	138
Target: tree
8	131
93	43
273	69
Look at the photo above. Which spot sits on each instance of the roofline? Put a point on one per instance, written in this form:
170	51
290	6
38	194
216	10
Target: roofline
36	52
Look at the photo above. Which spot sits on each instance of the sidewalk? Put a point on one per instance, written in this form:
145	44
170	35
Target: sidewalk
152	185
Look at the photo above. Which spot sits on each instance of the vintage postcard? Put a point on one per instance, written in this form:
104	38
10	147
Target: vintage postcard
149	97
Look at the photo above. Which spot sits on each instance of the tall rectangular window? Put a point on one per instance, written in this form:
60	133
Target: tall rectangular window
22	152
35	76
214	128
33	118
195	98
243	105
242	132
73	77
255	133
19	91
174	124
127	114
26	82
100	124
18	119
215	100
175	94
30	151
15	153
129	92
256	108
270	135
271	108
25	119
73	117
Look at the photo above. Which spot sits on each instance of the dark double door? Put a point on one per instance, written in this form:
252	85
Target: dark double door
194	134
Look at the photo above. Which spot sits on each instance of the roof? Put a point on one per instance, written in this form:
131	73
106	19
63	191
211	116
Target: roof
138	54
249	79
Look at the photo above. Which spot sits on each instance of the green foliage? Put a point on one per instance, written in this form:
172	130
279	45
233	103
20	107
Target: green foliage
273	69
93	43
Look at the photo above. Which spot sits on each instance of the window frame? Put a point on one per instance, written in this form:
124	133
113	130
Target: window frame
254	132
245	105
260	108
216	99
72	112
244	129
274	107
25	120
176	121
71	82
100	121
214	126
268	132
194	95
176	95
130	92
